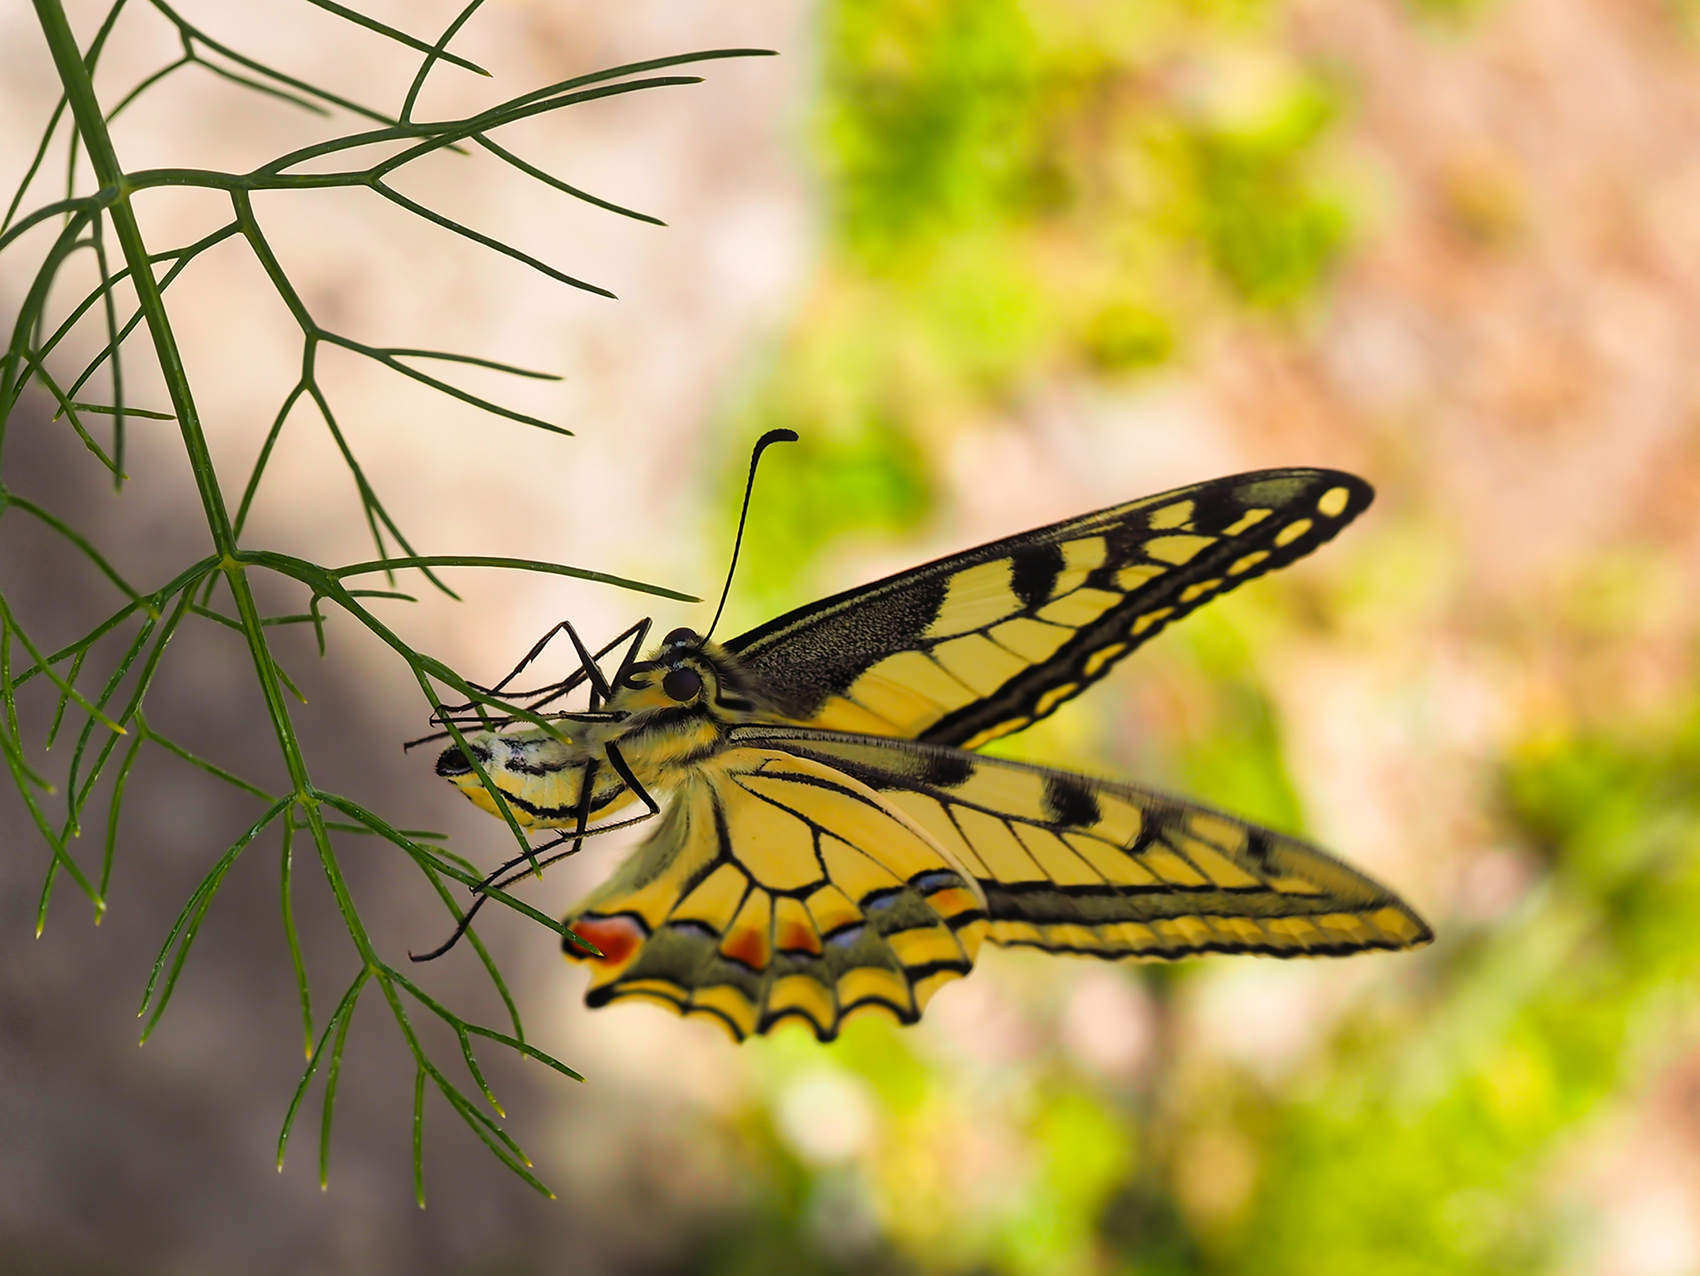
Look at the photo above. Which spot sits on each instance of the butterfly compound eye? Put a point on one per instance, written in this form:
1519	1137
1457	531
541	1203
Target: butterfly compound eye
452	762
682	684
682	638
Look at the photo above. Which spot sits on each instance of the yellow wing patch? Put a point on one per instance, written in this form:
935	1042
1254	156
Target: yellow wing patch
1073	865
969	648
778	888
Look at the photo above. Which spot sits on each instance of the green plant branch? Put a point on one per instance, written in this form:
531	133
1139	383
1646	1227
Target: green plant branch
432	859
148	81
369	502
494	245
64	701
211	768
86	204
190	32
389	360
328	1105
65	688
90	60
188	923
400	37
18	349
260	86
117	374
8	699
484	957
152	605
33	168
296	959
516	564
434	135
113	811
85	643
180	257
68	410
402	352
554	183
312	336
419	1135
344	1008
252	487
59	525
494	1138
161	636
462	1026
433	55
111	409
150	621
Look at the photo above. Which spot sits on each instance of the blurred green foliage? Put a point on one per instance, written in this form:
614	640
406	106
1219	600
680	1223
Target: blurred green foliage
1019	191
1456	11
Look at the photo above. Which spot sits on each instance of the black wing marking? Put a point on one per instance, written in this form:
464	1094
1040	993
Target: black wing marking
975	646
1072	864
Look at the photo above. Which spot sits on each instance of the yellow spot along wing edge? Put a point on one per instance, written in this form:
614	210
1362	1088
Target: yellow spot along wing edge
1071	864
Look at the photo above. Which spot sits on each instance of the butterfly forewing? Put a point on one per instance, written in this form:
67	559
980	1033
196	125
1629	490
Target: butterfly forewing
1071	864
973	647
778	887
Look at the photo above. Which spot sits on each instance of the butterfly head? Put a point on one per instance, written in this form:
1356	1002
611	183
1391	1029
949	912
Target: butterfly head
678	673
686	675
682	682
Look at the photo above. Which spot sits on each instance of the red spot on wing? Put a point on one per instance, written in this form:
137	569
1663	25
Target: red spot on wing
951	901
794	937
617	937
748	946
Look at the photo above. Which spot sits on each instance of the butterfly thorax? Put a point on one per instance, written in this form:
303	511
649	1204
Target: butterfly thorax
666	717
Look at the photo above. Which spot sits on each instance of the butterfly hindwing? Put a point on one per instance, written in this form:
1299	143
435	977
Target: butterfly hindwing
973	647
778	887
1076	865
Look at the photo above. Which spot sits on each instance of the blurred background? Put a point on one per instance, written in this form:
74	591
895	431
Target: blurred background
999	262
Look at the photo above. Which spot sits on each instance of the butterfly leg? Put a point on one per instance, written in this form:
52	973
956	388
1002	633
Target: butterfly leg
639	632
497	878
500	877
599	688
555	690
617	760
500	687
579	833
587	661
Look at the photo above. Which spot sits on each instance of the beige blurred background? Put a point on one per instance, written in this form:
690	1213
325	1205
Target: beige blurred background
1483	694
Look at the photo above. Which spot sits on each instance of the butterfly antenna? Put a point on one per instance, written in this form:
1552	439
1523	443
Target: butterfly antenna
766	440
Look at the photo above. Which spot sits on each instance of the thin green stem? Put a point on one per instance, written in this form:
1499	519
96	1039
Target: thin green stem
303	988
400	37
344	1008
432	56
419	1134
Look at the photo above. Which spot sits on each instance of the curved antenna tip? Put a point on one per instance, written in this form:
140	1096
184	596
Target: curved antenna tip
780	435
